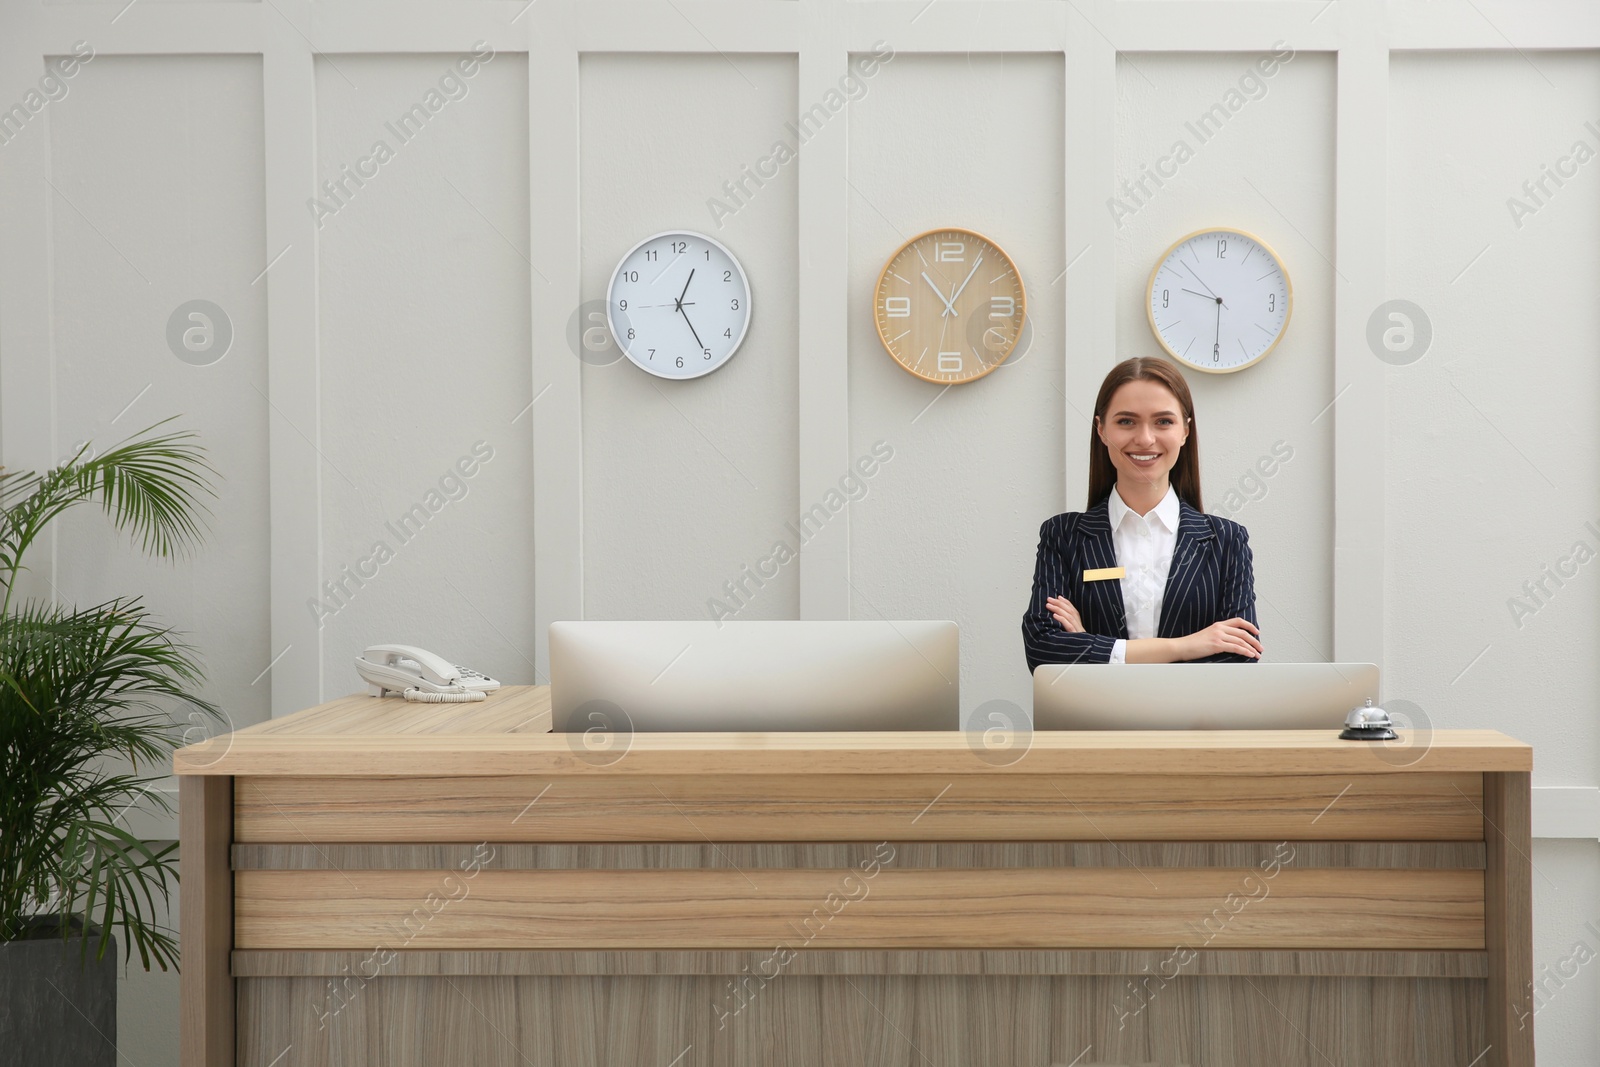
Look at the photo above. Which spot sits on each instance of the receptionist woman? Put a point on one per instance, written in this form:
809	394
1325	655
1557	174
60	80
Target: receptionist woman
1143	575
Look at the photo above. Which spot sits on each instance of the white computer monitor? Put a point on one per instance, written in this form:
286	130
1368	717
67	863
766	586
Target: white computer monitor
755	675
1199	696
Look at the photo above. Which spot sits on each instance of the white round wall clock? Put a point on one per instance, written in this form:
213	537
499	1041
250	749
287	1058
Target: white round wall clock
1219	300
678	304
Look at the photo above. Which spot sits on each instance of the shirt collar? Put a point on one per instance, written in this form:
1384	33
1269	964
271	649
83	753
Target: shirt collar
1166	510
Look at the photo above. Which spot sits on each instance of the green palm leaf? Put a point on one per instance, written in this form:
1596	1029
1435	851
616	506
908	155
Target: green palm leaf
88	699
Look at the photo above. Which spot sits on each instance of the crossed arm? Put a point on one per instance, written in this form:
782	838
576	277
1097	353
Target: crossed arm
1044	640
1052	632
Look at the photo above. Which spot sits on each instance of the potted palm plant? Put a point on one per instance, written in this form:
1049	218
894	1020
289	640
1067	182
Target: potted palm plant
87	702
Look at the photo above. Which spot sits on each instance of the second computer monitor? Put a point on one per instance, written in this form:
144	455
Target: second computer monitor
1199	696
756	675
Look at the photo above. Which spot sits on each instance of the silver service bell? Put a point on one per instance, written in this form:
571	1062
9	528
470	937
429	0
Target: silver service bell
1368	723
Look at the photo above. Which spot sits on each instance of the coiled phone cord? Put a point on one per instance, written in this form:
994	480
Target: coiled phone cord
417	696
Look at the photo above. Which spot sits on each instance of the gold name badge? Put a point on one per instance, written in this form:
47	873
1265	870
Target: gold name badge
1105	572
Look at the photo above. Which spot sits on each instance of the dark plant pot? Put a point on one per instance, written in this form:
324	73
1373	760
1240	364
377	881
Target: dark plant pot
57	1009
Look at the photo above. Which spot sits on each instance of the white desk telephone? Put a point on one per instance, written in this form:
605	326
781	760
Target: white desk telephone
419	675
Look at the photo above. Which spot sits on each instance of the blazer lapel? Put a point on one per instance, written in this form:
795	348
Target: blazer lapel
1195	544
1105	595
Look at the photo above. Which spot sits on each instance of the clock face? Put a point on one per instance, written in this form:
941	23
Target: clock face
678	304
949	306
1219	300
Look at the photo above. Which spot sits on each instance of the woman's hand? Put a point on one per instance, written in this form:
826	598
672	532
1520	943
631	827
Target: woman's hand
1231	635
1065	614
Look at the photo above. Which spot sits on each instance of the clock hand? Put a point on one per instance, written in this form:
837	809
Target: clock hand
692	330
957	294
686	282
1216	342
1201	280
935	288
1203	296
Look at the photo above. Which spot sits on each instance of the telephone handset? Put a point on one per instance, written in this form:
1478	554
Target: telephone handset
419	675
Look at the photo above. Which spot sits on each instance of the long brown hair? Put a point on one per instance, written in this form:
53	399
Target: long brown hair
1185	476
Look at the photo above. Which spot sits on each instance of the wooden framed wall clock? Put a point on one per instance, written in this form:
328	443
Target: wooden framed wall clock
1219	300
678	304
949	305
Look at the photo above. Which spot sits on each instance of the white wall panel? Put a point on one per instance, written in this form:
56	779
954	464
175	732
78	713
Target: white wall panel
1253	152
949	526
686	483
423	290
156	165
117	5
1493	454
1566	950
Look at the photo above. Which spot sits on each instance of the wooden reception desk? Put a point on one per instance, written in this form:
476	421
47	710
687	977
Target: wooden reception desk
384	884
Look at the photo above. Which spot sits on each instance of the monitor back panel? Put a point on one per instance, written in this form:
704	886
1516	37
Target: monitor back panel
768	675
1199	696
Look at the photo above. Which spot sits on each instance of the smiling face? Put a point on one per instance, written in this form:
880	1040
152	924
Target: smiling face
1144	430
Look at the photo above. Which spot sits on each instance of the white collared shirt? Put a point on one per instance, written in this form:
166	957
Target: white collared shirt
1144	546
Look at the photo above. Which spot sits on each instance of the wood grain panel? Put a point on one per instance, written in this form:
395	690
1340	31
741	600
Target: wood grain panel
832	854
1024	908
275	963
205	921
1436	1046
1508	898
511	709
876	1020
386	754
1412	807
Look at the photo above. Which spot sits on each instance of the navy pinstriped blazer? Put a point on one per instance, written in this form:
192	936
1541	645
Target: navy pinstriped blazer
1211	580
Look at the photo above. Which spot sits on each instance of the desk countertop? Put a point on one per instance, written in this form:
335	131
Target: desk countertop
509	734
